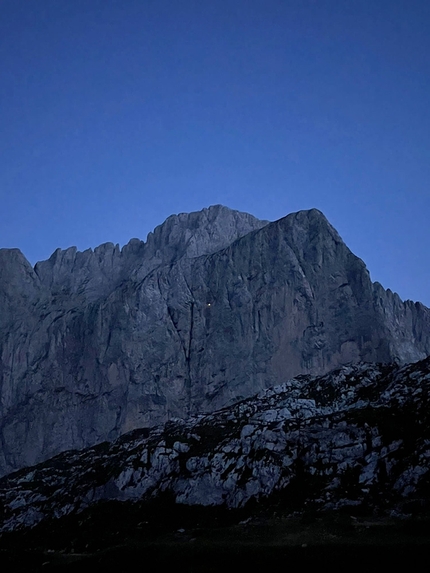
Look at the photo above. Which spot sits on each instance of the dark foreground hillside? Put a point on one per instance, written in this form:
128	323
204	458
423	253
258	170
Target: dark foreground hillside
124	537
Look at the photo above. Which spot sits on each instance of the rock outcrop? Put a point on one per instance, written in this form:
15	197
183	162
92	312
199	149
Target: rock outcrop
214	307
358	437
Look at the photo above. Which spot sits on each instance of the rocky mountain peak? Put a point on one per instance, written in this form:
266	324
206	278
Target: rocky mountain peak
200	233
19	286
213	307
16	270
96	273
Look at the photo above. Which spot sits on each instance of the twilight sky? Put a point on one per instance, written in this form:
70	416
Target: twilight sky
117	113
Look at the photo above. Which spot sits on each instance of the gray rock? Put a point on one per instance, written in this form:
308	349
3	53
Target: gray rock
357	437
212	308
97	273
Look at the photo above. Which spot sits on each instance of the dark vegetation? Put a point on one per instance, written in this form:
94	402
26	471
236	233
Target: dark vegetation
118	536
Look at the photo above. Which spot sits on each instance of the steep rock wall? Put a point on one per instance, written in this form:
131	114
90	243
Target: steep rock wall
214	307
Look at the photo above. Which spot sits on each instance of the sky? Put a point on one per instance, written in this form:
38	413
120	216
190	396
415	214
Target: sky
115	114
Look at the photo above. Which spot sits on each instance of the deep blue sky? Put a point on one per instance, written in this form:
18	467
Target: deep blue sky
116	114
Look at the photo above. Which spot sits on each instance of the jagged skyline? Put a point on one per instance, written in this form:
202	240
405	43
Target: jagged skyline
216	306
116	115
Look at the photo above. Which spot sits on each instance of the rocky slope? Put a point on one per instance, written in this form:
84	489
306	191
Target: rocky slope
358	437
212	308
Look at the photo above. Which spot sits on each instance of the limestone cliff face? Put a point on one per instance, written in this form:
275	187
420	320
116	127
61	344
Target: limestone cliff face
213	307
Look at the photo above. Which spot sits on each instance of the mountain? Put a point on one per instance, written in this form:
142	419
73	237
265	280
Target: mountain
214	307
356	438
